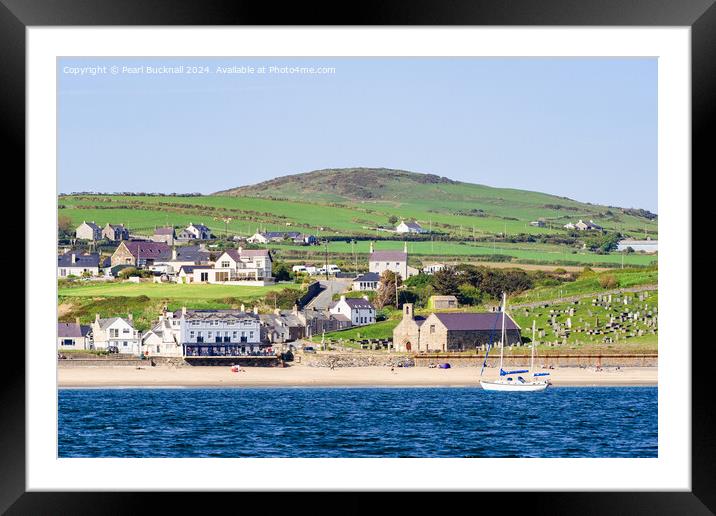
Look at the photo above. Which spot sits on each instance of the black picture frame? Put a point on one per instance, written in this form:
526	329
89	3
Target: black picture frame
699	15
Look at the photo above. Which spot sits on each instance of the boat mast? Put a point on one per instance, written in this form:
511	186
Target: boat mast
532	360
502	337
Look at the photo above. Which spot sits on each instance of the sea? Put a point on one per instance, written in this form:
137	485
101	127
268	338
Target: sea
357	422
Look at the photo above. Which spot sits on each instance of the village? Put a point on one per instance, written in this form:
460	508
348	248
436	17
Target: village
343	301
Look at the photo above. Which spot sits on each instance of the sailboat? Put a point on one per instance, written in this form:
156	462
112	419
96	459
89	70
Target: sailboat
506	381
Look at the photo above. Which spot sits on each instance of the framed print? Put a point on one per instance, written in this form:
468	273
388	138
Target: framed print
415	251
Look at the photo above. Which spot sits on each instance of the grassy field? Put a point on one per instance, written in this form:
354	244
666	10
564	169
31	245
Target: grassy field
172	291
423	250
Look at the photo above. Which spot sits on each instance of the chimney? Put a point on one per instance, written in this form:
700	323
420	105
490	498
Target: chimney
405	247
256	310
243	308
343	298
96	318
240	249
183	311
77	321
174	253
130	316
366	298
74	258
371	247
277	311
295	310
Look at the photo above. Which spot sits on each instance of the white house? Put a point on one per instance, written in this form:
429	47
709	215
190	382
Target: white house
584	226
409	227
195	232
88	231
396	261
367	281
164	339
359	310
182	255
238	267
73	336
432	268
75	264
219	332
116	332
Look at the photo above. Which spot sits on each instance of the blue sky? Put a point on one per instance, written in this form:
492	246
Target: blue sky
581	128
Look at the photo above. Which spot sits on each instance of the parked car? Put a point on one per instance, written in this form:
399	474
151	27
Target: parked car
112	349
309	349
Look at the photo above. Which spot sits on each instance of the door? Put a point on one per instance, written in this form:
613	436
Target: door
408	346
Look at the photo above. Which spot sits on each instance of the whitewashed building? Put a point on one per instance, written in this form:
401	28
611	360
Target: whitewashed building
195	232
396	261
116	332
367	281
164	339
73	336
432	268
359	310
74	263
409	227
219	332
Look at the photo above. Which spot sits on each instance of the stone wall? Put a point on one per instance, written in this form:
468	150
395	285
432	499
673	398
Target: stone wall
540	360
354	360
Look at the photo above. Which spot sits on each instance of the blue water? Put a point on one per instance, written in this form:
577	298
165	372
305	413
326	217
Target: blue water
358	422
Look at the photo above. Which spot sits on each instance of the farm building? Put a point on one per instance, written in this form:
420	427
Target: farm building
409	227
442	302
456	331
648	246
88	231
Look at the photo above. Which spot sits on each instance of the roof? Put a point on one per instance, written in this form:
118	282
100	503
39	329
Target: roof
444	298
188	269
154	250
218	314
116	226
192	253
200	227
164	231
391	256
246	253
106	323
341	317
476	321
72	330
92	225
82	260
627	241
368	276
356	303
281	234
412	225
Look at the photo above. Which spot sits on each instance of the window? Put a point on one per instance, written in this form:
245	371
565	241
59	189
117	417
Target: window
113	333
125	330
204	276
432	328
191	334
124	344
225	264
68	342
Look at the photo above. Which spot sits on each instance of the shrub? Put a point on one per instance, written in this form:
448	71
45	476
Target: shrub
608	281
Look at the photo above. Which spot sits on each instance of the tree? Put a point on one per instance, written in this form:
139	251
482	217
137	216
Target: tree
446	282
469	294
281	271
64	225
393	220
386	289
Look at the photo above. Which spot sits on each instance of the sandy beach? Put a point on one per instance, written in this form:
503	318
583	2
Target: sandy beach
306	376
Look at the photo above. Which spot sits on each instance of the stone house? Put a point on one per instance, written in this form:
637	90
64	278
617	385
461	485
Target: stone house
406	335
140	253
115	232
282	326
318	321
164	234
88	231
73	336
116	332
456	331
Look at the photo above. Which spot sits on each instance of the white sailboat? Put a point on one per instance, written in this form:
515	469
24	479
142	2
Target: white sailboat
506	380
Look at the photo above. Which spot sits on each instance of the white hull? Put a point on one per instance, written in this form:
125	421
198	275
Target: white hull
514	386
